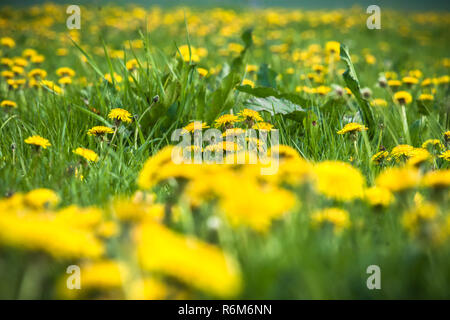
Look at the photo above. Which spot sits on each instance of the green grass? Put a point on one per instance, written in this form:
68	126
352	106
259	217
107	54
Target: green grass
292	261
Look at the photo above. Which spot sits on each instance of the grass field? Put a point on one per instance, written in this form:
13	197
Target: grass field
357	126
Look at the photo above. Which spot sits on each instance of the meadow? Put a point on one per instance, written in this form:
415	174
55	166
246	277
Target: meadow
89	179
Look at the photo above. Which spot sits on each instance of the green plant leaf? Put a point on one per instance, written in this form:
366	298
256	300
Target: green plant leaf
247	38
220	99
266	76
264	92
276	106
351	79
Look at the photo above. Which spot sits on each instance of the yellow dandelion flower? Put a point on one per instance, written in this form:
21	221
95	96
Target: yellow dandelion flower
6	62
414	219
136	210
196	263
290	71
7	42
7	74
426	97
370	59
235	47
437	179
435	143
8	104
262	126
377	196
339	180
352	127
447	135
28	53
37	73
415	73
189	55
149	289
284	152
426	82
322	90
378	103
445	155
96	277
419	156
103	274
62	52
41	198
250	115
65	72
233	132
194	125
65	80
338	218
394	83
52	86
401	152
120	115
20	62
251	68
202	71
87	154
248	82
108	229
37	59
380	156
333	48
165	164
318	68
398	179
43	233
390	75
403	97
117	78
17	70
226	120
410	80
248	204
38	141
99	131
443	80
87	218
132	64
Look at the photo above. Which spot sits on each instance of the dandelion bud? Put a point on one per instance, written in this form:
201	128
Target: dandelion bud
366	93
382	82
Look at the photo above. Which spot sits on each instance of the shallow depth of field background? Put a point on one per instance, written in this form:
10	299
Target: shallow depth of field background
363	176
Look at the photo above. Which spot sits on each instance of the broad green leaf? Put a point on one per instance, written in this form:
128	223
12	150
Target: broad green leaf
263	92
276	106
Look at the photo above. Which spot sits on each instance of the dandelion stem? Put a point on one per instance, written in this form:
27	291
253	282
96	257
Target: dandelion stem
356	149
405	124
114	134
